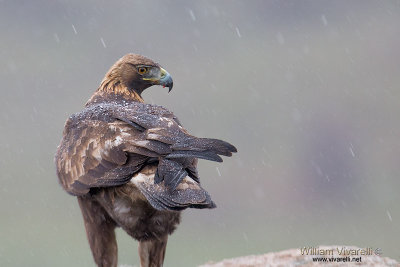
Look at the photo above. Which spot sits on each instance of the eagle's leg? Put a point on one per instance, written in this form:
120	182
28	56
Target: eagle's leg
152	252
100	232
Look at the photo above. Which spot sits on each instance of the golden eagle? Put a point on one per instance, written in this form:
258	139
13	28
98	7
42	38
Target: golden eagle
132	165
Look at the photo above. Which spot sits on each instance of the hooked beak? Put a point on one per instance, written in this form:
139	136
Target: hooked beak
161	78
165	80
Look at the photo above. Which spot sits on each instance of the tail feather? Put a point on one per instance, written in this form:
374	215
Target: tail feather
181	141
205	144
188	194
207	155
175	179
171	172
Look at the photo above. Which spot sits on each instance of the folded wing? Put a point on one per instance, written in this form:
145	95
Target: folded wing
107	144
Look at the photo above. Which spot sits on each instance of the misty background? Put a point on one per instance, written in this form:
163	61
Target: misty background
308	91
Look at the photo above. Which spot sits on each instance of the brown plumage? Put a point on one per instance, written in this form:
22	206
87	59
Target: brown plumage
132	165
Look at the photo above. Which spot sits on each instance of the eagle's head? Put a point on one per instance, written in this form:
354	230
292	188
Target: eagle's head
135	73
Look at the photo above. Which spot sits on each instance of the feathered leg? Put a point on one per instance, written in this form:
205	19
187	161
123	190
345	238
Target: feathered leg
152	252
100	232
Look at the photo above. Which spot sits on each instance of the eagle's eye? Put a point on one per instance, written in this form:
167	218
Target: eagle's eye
142	70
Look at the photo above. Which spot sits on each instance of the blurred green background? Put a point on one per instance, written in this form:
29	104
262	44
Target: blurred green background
308	91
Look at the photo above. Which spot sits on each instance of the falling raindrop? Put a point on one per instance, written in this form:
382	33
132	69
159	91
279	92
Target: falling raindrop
352	151
280	38
56	38
324	21
219	173
246	238
73	27
191	13
238	32
389	215
102	41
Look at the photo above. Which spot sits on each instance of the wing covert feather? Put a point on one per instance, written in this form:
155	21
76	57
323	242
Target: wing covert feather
107	143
